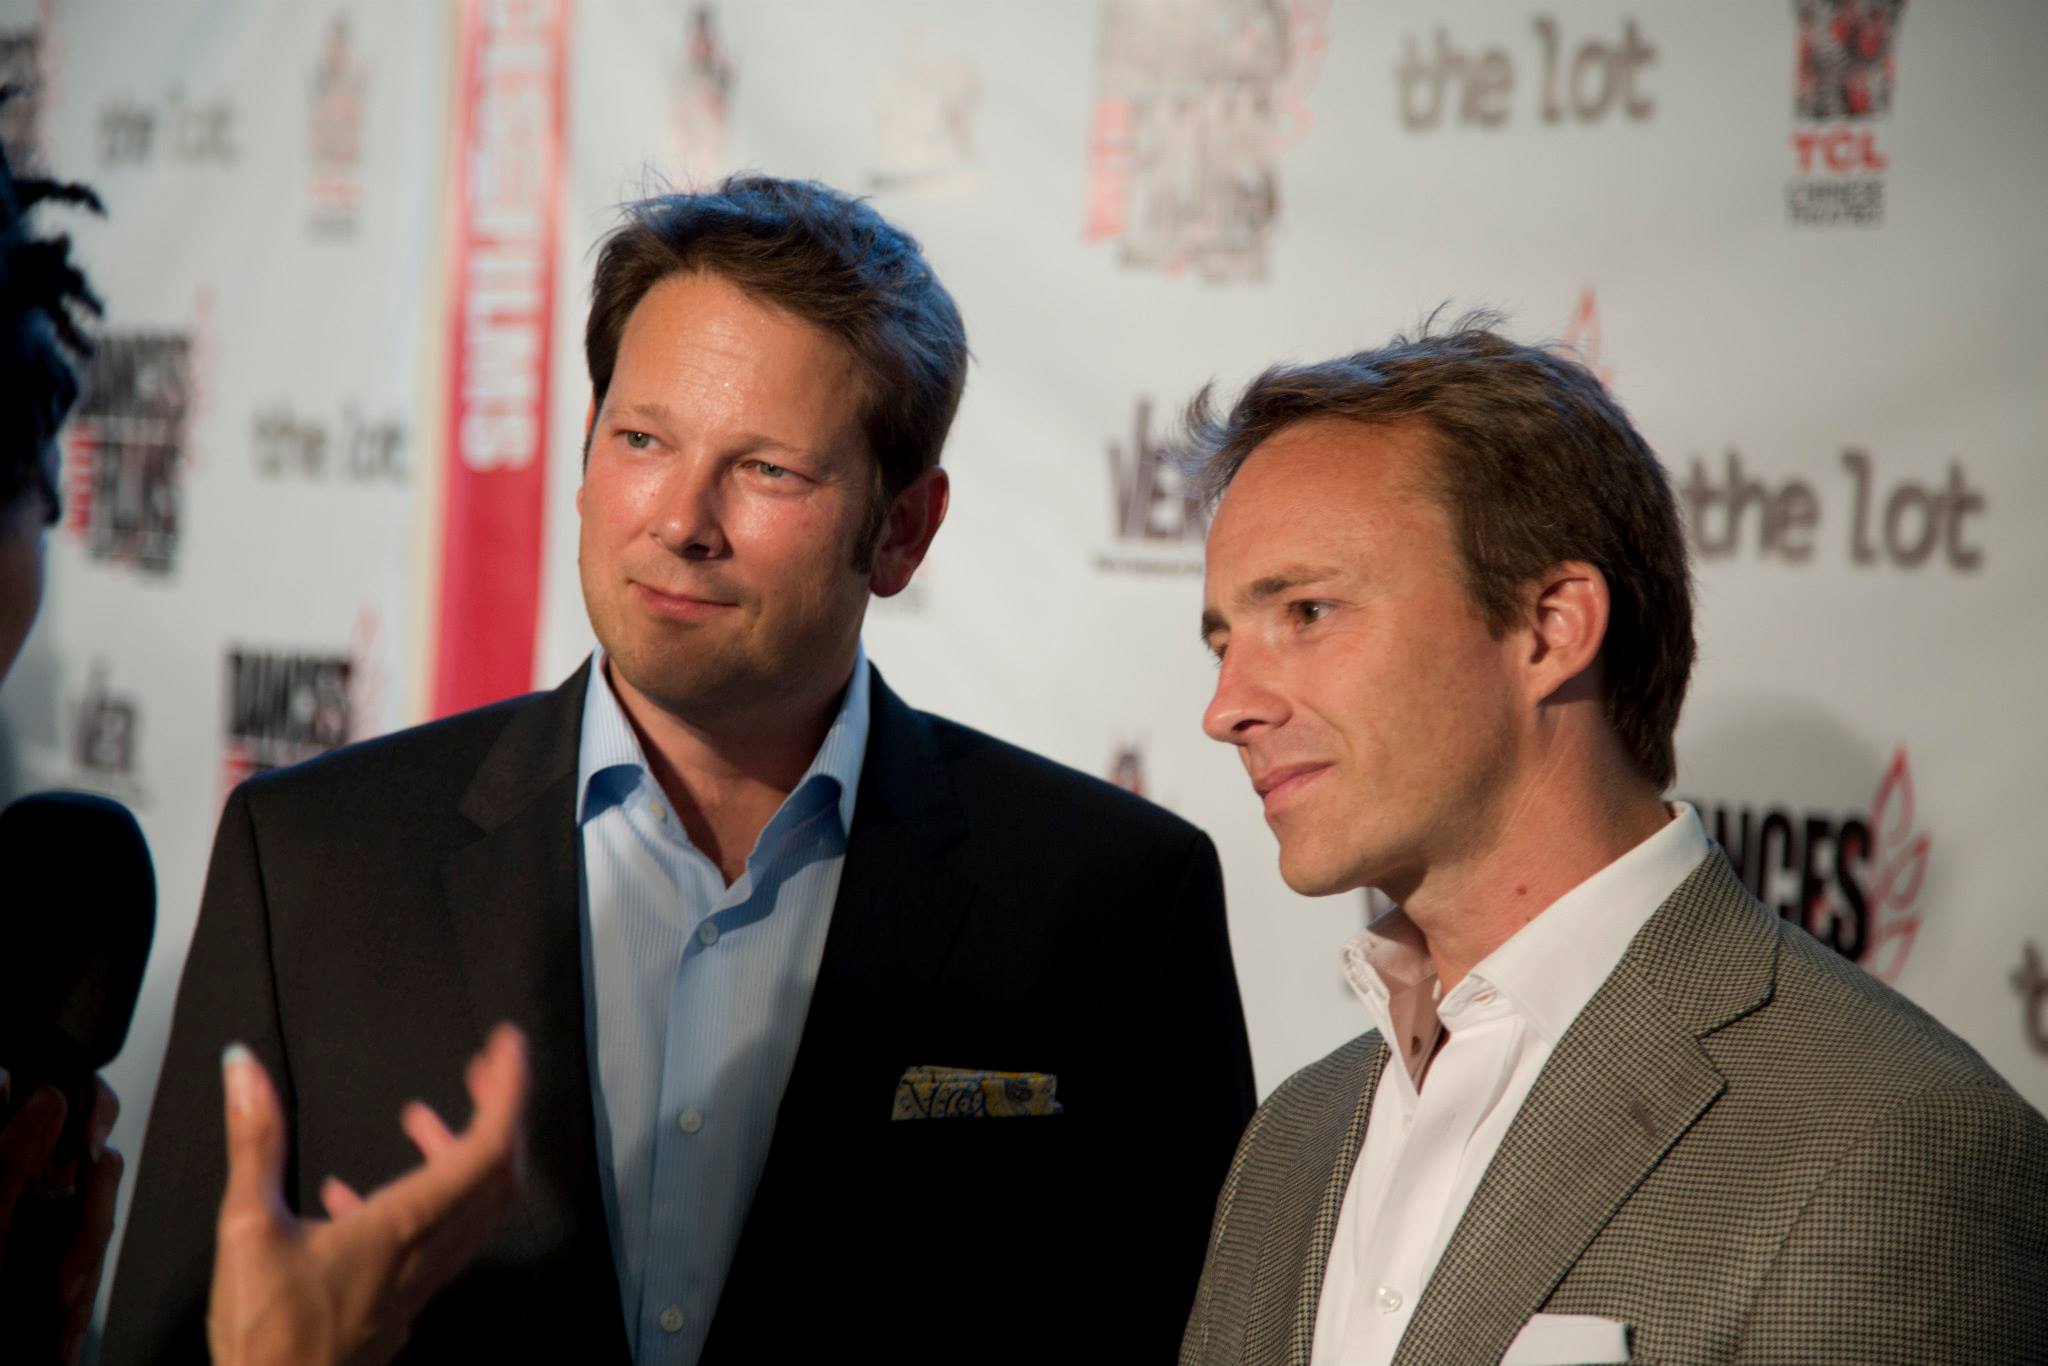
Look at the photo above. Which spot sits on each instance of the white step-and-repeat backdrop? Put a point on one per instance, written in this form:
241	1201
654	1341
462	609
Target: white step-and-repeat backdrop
321	482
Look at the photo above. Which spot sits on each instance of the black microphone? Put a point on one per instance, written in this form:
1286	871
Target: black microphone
75	942
79	898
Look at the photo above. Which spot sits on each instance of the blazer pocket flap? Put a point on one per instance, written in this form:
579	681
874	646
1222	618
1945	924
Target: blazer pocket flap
967	1093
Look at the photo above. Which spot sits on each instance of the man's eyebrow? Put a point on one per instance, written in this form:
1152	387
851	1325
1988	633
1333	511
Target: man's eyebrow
1282	581
663	415
1265	588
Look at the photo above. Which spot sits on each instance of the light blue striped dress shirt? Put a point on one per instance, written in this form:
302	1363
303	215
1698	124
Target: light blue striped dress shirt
697	996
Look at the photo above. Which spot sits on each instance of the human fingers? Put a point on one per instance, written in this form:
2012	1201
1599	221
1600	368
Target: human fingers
498	1080
477	1172
25	1147
106	1108
85	1261
338	1198
426	1129
255	1139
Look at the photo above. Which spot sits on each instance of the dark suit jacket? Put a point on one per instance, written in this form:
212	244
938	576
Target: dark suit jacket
1744	1146
369	915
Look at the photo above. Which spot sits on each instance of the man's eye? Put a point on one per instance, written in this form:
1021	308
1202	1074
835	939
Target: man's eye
638	441
1309	611
768	469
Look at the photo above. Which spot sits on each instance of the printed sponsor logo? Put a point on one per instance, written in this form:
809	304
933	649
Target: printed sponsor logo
1582	336
107	735
1890	520
176	129
1127	768
2031	981
1851	878
334	126
349	448
1845	72
509	123
1196	102
287	706
1159	520
125	449
700	118
925	115
1580	80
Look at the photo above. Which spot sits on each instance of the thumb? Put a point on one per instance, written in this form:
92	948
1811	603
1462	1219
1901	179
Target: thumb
255	1134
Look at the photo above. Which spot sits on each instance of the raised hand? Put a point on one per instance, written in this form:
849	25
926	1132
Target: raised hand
345	1289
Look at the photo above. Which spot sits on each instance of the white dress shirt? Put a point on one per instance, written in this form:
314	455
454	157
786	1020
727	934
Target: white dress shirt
695	995
1426	1147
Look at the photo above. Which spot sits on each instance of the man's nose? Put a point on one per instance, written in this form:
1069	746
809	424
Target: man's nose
689	520
1246	701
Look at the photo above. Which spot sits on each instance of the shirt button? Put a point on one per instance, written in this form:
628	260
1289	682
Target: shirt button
671	1320
1386	1297
1407	1123
707	933
689	1121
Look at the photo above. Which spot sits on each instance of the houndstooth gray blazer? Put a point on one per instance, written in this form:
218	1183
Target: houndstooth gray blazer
1744	1147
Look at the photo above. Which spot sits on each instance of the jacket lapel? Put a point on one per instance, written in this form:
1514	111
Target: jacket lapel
895	919
1296	1246
1623	1085
515	906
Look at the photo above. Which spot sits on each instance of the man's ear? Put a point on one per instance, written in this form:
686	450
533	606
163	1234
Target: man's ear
589	429
1567	622
907	530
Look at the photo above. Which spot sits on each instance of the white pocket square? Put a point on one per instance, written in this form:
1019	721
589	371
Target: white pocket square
1568	1340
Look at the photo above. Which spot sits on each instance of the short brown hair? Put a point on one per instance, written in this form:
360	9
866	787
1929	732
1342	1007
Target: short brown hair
1536	464
821	256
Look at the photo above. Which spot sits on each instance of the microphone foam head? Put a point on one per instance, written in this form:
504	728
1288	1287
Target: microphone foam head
81	910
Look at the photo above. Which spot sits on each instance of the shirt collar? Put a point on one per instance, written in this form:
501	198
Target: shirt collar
610	762
1550	968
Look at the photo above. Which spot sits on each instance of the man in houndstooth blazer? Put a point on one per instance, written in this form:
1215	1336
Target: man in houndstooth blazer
1449	596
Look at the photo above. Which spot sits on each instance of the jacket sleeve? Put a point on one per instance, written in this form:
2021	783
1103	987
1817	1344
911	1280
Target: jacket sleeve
226	995
1927	1242
1204	1031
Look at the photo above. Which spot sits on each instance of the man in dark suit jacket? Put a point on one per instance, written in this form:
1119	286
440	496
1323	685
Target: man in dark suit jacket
754	470
1612	1108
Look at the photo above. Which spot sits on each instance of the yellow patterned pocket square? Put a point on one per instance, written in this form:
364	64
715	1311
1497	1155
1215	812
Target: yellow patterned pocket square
961	1093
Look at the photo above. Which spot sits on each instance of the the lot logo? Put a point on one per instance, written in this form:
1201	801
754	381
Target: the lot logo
176	129
125	448
702	116
334	185
1852	879
1579	80
283	708
1158	513
108	731
1846	72
1195	102
926	118
21	112
2031	981
1894	521
351	448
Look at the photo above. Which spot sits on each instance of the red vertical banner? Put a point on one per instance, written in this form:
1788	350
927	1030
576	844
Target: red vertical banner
512	59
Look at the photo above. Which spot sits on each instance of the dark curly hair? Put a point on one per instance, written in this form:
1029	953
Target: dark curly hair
42	298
